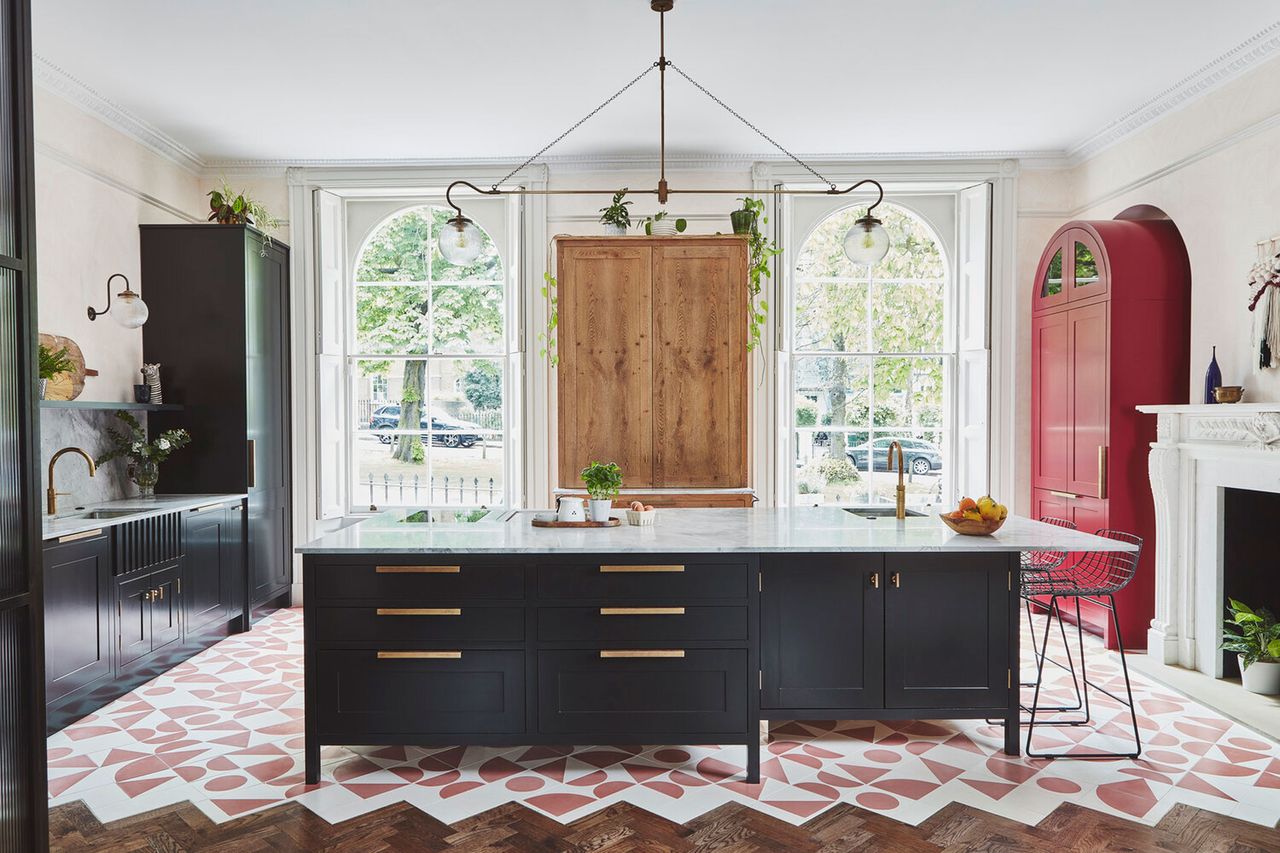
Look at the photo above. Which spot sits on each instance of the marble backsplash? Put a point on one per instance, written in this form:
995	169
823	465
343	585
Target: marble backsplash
86	429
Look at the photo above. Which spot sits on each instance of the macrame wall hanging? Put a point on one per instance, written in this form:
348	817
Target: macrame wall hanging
1264	302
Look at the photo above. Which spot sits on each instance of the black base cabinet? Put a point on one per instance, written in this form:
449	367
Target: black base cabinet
127	603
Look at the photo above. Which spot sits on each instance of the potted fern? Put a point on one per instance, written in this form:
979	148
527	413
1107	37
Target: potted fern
615	218
52	364
1254	635
604	481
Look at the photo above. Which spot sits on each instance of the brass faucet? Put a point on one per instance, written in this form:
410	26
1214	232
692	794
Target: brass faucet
902	489
51	491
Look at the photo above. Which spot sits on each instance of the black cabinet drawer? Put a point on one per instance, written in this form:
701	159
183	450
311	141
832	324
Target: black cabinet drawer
658	624
368	692
441	579
702	692
337	625
653	583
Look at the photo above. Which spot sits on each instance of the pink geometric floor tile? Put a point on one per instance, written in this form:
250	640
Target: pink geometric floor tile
223	731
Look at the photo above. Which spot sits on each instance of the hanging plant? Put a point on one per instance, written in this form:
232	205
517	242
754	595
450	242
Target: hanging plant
761	250
548	337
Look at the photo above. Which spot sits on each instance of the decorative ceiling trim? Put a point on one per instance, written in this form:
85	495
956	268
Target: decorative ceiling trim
1227	67
61	83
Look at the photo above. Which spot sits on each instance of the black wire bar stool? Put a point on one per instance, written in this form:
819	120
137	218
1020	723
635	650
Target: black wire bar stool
1097	577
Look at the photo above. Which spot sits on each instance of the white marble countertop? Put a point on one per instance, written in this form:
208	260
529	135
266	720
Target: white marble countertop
677	531
74	521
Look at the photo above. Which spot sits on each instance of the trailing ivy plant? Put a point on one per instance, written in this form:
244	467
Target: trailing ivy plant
761	250
548	337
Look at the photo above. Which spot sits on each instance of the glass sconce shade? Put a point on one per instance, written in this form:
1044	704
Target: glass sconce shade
460	241
130	311
866	242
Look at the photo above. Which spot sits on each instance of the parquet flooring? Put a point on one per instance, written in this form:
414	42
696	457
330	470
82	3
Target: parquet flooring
622	827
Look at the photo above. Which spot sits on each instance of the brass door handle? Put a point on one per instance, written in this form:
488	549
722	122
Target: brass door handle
159	593
896	580
641	611
1102	471
875	580
418	570
627	569
419	611
419	655
642	653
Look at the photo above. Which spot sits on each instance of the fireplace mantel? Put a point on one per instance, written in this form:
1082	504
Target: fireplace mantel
1199	451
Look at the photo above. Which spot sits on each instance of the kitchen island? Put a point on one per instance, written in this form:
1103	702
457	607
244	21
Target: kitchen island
483	630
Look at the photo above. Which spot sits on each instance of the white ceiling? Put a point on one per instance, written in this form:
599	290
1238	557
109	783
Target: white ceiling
416	79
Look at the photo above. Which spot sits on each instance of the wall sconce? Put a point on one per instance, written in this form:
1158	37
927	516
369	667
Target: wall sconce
131	311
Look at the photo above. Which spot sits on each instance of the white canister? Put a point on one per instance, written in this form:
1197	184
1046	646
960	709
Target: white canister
600	509
570	509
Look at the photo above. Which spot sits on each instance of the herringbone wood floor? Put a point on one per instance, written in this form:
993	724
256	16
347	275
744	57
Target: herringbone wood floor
622	827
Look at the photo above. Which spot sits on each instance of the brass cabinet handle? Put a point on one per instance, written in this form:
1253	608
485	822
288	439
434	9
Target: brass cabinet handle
419	611
642	653
159	593
253	463
875	580
641	611
419	655
75	537
418	570
1068	495
624	569
207	506
896	580
1102	471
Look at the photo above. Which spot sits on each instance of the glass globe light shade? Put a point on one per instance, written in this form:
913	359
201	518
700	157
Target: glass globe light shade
130	311
460	241
866	242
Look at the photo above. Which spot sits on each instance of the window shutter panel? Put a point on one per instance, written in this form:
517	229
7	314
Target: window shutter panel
972	382
331	386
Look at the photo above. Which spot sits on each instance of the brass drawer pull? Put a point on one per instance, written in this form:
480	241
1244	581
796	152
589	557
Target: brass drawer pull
1067	495
419	611
875	580
419	655
418	570
641	611
1102	472
896	580
628	569
642	653
207	506
76	537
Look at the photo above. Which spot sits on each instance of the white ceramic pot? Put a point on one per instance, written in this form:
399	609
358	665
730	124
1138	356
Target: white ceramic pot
611	230
1263	677
570	509
600	509
663	228
44	388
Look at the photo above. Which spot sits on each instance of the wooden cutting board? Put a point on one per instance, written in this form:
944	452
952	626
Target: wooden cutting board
65	386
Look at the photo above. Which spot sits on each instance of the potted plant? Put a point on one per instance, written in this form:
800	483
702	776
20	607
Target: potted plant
1254	636
52	364
604	481
615	218
228	207
659	225
144	457
744	218
761	251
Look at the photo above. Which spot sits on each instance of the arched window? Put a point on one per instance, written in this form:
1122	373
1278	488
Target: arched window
871	363
428	389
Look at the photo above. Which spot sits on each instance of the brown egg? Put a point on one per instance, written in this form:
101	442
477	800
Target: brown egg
648	507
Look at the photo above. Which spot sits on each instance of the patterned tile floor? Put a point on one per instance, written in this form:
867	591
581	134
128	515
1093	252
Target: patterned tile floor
224	730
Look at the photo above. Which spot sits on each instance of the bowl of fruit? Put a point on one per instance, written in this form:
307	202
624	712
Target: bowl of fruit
976	518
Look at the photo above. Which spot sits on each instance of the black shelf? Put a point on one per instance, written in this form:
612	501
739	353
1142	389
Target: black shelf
105	406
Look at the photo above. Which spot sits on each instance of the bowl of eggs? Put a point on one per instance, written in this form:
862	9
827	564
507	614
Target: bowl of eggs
641	514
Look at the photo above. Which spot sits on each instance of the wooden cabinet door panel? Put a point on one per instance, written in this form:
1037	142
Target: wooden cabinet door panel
77	647
1087	402
946	631
822	632
605	297
700	387
1050	417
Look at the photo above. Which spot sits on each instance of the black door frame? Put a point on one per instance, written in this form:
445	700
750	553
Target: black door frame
24	820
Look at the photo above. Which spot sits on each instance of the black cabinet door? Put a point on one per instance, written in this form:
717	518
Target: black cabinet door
166	607
77	608
206	595
822	631
133	613
947	631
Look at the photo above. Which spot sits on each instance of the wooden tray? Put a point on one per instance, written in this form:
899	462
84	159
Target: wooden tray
551	522
69	385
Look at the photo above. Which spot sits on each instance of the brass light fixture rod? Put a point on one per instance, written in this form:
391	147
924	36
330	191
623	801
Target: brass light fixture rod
663	190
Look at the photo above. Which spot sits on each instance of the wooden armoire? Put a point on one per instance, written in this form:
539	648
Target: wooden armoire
1110	330
653	369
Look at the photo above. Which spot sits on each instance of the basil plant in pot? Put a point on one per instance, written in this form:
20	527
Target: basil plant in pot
144	456
1254	635
604	481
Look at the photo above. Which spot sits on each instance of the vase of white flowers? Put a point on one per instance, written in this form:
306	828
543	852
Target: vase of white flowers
144	456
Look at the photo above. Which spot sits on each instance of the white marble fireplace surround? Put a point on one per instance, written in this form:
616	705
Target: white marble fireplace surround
1199	451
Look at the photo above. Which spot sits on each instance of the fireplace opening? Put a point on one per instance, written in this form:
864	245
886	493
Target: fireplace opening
1250	555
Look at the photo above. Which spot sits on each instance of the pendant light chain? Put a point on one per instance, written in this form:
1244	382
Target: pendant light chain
766	137
577	124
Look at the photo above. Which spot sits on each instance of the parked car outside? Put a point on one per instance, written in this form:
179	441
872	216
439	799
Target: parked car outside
920	457
445	431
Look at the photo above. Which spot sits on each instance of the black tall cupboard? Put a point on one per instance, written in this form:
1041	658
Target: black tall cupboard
219	328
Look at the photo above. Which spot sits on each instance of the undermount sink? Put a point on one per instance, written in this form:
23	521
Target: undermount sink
874	512
108	513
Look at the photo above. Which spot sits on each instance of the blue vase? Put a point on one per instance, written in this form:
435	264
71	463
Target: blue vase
1212	378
